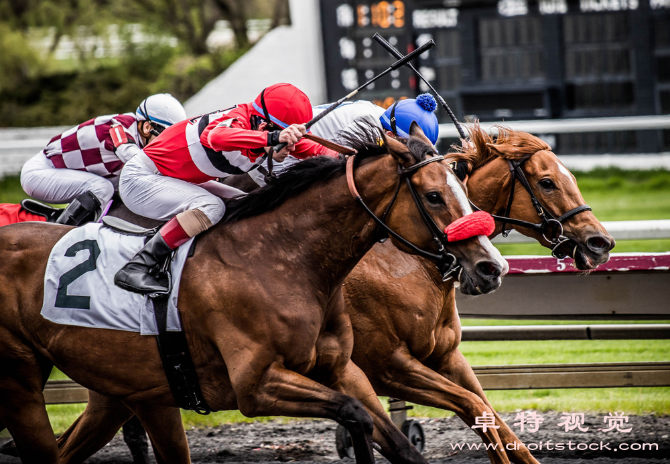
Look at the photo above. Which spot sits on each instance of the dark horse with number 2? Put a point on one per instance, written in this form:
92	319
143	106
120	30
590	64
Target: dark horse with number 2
261	304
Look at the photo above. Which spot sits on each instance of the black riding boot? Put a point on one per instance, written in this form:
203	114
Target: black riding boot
83	208
142	274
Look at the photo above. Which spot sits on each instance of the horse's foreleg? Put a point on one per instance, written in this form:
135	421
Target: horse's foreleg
458	370
394	445
276	391
23	411
96	426
164	426
406	378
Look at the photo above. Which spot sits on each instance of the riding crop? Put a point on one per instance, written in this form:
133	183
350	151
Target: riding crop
393	51
401	62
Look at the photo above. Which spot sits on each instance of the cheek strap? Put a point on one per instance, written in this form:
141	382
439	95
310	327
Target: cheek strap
470	225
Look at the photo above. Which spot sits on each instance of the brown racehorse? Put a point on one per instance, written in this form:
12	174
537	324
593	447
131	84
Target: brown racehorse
410	350
406	326
261	304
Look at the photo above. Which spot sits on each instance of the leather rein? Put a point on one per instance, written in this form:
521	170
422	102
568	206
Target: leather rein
549	222
446	263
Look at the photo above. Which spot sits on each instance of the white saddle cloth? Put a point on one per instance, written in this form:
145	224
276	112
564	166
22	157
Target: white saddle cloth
79	283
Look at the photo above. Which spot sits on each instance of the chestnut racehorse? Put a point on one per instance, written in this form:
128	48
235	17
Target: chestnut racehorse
261	306
406	341
406	325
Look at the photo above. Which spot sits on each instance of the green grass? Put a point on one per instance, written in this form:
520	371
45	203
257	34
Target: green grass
489	322
564	351
62	416
630	400
11	191
622	246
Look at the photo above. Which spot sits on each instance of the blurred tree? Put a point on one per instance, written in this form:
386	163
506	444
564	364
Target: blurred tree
235	11
192	21
36	89
18	61
281	15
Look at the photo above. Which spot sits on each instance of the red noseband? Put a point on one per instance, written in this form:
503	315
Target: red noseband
470	225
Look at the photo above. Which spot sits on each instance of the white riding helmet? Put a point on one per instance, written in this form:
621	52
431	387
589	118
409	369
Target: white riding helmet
162	109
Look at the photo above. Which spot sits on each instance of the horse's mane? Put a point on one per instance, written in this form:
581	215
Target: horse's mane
509	144
366	139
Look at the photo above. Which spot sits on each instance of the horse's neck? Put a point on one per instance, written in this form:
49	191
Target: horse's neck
323	230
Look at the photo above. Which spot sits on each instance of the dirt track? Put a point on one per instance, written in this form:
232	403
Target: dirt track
313	441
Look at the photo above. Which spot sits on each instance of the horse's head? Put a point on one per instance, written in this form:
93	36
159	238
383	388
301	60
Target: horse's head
429	198
519	177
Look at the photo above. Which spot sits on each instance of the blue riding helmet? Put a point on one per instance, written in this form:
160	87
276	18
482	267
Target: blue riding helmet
404	112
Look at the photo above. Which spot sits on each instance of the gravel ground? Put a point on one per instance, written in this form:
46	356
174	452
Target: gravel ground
314	441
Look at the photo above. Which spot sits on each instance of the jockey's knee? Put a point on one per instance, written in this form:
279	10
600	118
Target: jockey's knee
29	175
213	209
102	189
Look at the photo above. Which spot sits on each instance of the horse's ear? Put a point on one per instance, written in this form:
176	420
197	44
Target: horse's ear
416	131
399	151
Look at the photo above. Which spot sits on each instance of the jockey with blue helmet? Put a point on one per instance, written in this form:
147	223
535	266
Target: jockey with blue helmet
395	121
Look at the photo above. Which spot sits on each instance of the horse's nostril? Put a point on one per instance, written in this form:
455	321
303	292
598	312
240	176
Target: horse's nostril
598	244
489	269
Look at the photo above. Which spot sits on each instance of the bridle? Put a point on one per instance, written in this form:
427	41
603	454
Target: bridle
446	263
550	223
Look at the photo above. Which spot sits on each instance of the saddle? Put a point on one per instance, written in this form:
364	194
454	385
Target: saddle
128	228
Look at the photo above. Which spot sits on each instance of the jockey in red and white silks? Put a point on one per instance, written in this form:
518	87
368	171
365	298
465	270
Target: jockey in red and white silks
175	176
81	166
396	121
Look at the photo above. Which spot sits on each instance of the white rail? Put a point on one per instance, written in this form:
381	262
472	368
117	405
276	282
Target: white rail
570	126
18	145
620	230
548	128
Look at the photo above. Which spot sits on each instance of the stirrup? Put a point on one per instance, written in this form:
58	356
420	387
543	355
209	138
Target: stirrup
86	207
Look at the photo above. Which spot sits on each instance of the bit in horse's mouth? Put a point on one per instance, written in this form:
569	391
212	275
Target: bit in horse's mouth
584	261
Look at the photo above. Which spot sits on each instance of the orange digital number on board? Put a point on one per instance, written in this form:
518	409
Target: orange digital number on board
382	14
399	14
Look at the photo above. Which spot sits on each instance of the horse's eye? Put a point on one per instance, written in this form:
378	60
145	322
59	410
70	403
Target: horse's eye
547	184
433	198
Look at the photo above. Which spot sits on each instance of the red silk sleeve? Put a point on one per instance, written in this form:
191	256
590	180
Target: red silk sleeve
224	138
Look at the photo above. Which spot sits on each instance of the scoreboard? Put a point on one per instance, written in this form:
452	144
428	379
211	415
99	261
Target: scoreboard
352	56
512	59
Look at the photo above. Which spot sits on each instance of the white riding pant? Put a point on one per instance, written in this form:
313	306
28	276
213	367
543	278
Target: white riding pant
41	180
147	192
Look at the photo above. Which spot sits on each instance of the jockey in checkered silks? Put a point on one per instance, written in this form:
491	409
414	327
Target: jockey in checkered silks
82	165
